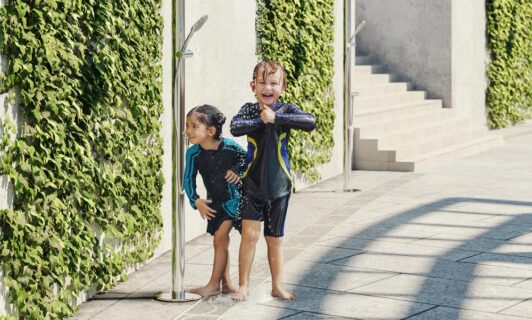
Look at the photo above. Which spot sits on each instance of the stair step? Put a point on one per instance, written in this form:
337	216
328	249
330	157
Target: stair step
436	142
368	69
367	150
371	79
456	151
408	120
378	101
392	138
387	88
362	60
388	112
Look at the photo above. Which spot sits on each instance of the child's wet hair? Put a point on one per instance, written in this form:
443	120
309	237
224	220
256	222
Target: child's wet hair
210	116
269	67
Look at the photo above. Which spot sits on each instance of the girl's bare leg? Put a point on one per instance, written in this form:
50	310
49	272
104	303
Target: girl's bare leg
221	261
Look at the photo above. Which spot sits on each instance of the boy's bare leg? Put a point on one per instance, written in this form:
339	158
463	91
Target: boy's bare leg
219	266
275	259
250	236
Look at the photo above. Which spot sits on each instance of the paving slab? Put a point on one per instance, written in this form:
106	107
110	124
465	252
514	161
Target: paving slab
342	304
438	268
462	241
522	309
460	314
526	284
324	254
445	292
314	316
247	310
328	276
398	249
503	260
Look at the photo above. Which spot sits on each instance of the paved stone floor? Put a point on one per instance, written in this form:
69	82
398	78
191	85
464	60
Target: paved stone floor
451	242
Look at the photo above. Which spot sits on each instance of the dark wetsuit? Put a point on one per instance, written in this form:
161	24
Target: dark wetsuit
212	166
267	181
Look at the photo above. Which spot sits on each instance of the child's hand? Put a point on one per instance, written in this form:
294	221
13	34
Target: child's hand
232	177
267	114
205	211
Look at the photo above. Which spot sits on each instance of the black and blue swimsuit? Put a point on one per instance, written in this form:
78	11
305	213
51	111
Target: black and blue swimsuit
212	166
267	169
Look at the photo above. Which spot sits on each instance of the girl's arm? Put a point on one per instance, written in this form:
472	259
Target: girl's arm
191	171
295	118
246	120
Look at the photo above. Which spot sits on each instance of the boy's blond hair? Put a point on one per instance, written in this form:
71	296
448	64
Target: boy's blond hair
269	67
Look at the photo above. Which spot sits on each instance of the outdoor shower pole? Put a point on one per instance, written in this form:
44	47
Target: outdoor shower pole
348	108
178	294
349	46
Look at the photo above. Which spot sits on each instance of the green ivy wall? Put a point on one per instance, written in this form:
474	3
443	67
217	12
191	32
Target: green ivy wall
300	35
86	166
509	30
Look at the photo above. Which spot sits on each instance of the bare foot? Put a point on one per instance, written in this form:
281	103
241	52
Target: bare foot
282	294
241	294
206	291
228	288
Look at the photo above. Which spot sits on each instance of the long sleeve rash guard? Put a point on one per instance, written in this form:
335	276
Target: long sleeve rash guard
267	166
212	166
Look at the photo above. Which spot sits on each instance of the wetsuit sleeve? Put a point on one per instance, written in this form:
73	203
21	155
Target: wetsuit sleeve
191	171
245	121
295	118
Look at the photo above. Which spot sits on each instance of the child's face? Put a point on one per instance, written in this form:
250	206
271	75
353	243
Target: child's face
270	89
197	132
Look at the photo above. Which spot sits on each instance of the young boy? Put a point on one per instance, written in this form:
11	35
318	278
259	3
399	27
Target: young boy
266	180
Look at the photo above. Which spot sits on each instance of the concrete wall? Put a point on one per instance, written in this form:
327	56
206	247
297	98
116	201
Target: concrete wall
437	45
412	38
469	61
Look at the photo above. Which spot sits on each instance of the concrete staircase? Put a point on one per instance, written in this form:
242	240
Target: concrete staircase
397	129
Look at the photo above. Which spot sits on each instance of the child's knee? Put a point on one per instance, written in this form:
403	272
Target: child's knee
221	242
276	242
250	235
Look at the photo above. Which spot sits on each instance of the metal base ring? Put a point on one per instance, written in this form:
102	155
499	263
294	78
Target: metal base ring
177	297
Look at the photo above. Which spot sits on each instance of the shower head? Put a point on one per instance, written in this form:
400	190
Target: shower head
357	30
199	23
195	27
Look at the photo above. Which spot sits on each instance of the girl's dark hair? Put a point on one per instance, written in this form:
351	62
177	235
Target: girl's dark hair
269	67
210	116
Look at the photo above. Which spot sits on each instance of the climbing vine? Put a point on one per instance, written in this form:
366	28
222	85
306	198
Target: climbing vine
299	34
85	167
509	31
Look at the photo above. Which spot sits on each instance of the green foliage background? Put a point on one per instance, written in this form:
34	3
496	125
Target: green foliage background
299	34
86	167
509	30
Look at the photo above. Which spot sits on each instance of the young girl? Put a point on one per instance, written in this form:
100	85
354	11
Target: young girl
219	162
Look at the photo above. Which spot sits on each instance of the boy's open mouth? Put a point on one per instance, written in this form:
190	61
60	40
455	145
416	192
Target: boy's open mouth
269	95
